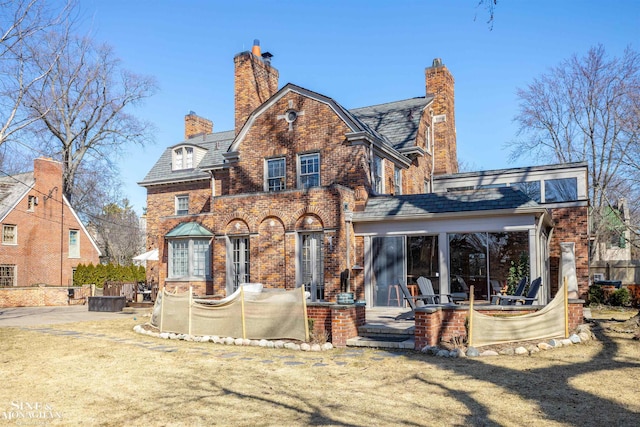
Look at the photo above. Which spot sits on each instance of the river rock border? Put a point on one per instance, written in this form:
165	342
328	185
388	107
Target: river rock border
582	334
140	329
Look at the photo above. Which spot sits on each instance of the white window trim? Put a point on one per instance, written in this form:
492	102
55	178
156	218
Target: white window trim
14	267
179	158
76	247
299	169
177	204
374	169
267	177
190	260
397	183
15	234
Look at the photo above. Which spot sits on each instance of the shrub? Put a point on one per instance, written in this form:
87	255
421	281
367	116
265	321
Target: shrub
620	297
99	274
596	295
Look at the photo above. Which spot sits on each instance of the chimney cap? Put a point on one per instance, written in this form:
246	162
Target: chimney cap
437	62
256	48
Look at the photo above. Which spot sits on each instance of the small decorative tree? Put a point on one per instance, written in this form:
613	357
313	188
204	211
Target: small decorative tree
517	271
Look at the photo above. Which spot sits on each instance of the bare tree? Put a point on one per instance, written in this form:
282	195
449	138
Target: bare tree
119	234
84	111
586	109
24	25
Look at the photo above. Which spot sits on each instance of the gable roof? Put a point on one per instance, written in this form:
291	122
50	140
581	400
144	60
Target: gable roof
393	126
423	205
12	189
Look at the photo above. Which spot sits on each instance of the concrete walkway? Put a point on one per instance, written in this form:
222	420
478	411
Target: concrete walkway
32	316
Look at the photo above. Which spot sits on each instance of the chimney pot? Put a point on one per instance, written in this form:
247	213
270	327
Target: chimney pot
256	48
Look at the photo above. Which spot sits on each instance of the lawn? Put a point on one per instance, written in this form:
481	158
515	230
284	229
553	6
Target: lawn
102	373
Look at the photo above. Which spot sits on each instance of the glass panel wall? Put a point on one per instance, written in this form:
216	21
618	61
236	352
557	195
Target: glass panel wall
488	261
422	260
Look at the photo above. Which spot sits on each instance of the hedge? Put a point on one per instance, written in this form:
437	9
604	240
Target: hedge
99	274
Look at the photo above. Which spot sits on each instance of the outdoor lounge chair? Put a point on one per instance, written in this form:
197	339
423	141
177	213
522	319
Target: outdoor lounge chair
501	300
426	288
413	301
464	294
532	295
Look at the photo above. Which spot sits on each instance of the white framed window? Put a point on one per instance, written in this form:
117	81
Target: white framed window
9	234
397	181
276	174
241	261
182	204
32	203
189	258
309	170
74	244
7	275
183	158
427	140
378	174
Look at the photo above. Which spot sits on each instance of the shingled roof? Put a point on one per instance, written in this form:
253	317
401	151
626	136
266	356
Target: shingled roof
417	205
215	143
397	121
394	123
12	189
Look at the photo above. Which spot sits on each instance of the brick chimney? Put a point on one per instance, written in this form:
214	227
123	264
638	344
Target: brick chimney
48	176
439	83
255	82
195	125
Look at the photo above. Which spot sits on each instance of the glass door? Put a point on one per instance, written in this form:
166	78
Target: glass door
311	265
388	260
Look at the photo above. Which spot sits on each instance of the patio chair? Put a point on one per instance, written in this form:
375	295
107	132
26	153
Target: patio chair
501	300
413	301
426	288
532	295
460	296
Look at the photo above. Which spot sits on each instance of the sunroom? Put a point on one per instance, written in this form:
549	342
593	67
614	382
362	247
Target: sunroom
487	238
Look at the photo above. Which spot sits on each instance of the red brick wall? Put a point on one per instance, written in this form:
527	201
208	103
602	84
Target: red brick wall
255	82
196	125
571	225
440	83
442	324
340	322
41	254
38	296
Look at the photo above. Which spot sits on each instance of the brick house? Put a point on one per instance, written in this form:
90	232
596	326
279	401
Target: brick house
306	192
43	239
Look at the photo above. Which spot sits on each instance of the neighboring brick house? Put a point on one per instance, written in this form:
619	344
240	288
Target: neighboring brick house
292	196
43	240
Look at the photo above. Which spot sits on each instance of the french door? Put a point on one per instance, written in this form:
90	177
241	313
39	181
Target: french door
311	265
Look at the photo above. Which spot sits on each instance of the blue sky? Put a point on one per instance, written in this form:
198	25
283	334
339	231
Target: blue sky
357	52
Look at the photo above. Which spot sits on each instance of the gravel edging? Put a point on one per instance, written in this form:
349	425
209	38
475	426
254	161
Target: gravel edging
147	330
582	334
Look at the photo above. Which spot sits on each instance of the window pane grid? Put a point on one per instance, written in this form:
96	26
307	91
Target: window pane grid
7	275
8	234
310	170
180	258
276	175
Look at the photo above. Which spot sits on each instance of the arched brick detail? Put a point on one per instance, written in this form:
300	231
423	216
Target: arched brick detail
249	220
237	226
297	215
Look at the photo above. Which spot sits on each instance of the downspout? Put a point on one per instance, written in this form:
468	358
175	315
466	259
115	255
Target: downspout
433	151
348	217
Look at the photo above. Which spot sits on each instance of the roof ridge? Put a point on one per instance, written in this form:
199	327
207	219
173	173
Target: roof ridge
389	102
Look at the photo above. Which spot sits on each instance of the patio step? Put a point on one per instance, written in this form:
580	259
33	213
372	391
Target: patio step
383	336
382	342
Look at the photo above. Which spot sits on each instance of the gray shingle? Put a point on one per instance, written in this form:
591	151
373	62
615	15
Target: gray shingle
396	121
12	188
216	144
507	198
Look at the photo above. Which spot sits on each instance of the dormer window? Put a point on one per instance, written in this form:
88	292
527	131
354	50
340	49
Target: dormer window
183	158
